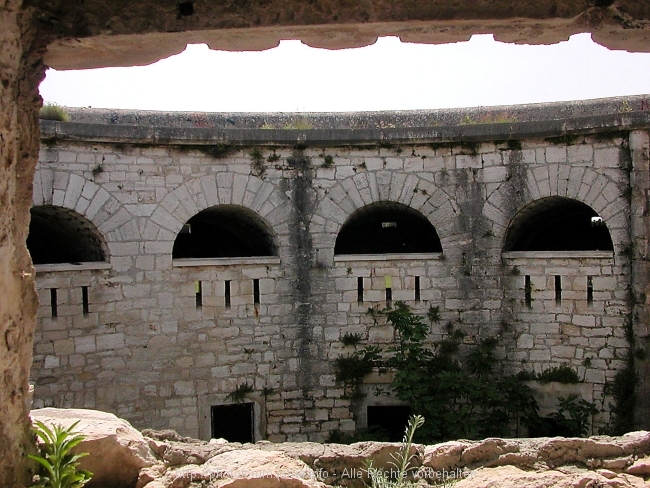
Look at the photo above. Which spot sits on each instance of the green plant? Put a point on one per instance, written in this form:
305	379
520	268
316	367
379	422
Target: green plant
574	415
239	394
57	463
350	369
97	170
561	374
515	271
328	161
433	314
52	111
403	462
273	157
257	159
350	339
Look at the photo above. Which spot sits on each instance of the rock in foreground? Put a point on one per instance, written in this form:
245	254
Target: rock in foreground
117	451
122	457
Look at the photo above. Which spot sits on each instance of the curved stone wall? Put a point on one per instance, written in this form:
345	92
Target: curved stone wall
164	340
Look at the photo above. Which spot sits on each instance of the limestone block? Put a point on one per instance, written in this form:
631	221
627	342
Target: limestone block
116	450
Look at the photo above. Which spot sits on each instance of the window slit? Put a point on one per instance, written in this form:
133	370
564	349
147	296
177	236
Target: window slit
590	290
360	289
558	290
84	300
256	291
226	293
389	291
417	288
528	291
53	303
198	289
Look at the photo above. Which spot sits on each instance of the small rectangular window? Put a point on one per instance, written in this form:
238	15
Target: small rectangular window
198	289
590	290
389	291
417	288
84	300
528	292
256	291
226	293
360	289
558	290
53	303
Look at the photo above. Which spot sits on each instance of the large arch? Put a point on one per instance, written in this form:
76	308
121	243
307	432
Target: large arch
557	224
387	227
60	235
578	183
224	231
198	194
402	189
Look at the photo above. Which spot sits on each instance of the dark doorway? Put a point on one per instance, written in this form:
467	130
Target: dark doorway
387	227
390	418
60	235
224	231
233	422
558	224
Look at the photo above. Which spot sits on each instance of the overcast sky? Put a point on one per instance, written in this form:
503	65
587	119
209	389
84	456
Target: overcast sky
389	75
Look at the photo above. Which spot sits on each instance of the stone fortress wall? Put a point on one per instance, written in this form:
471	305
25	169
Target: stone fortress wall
160	340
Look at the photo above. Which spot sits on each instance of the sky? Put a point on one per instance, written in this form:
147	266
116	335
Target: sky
388	75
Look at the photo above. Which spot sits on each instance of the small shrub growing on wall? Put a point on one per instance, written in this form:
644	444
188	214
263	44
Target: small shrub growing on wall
461	396
52	111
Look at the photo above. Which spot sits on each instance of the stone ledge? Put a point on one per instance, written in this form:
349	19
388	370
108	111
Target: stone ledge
180	263
47	268
342	258
558	254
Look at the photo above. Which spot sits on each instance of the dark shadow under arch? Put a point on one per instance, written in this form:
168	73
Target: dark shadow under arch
60	235
558	224
224	231
387	227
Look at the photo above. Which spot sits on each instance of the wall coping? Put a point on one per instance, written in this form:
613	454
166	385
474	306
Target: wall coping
557	254
190	262
94	265
353	128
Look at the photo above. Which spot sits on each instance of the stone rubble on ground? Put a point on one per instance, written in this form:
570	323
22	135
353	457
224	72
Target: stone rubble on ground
120	456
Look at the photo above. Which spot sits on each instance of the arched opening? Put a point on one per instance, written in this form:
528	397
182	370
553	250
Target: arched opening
224	231
558	224
387	227
60	235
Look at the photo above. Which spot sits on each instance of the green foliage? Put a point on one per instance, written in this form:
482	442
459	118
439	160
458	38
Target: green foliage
257	159
240	393
623	391
52	111
328	161
350	339
404	462
462	394
350	369
273	157
574	415
561	374
433	314
57	463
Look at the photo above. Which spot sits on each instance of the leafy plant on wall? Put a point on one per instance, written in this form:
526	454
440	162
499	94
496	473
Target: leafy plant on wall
461	396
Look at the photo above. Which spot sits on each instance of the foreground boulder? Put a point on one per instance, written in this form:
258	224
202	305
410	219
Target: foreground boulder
122	457
117	451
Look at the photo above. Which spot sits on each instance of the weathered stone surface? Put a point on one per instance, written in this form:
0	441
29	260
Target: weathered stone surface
512	477
99	34
241	469
117	451
21	70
